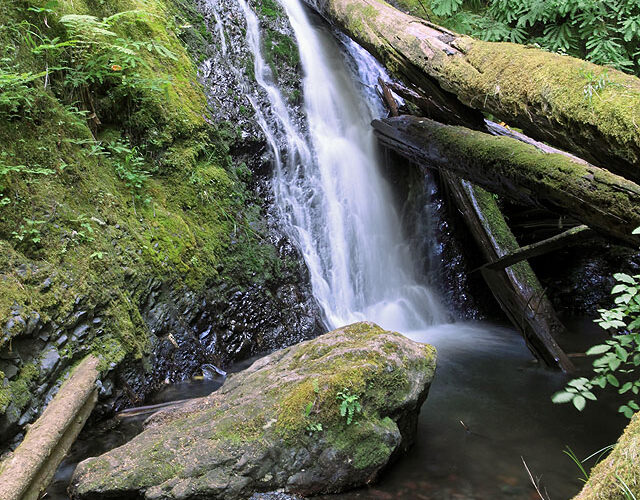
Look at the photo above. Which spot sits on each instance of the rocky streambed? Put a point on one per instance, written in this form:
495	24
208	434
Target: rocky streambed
323	416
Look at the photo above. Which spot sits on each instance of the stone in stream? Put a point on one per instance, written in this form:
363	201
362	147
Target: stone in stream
278	425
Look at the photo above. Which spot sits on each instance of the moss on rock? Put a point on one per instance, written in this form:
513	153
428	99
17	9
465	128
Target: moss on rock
259	424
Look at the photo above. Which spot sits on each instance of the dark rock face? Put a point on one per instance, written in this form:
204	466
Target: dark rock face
186	330
279	424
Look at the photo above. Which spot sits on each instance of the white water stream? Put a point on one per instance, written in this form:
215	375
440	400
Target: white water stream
329	189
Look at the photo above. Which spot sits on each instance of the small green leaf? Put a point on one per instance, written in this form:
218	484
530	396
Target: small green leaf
598	349
579	402
619	288
624	409
625	278
626	387
613	380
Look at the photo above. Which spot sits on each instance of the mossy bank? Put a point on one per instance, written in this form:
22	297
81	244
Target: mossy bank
129	225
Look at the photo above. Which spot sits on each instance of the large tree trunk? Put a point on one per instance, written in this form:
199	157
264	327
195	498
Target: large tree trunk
542	93
603	201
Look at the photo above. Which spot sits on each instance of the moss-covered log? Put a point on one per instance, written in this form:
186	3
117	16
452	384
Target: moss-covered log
603	201
542	93
617	477
517	289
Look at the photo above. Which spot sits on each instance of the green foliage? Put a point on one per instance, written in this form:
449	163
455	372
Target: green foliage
129	165
619	357
309	409
349	405
29	232
269	8
606	33
76	55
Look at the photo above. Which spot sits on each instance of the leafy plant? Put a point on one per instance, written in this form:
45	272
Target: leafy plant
308	409
349	405
618	357
29	232
606	33
129	164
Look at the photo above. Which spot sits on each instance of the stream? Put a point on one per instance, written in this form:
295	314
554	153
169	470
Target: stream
489	406
485	379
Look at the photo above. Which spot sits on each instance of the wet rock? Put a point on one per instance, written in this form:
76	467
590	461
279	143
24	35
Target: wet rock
32	323
81	331
9	369
46	285
278	425
14	326
49	361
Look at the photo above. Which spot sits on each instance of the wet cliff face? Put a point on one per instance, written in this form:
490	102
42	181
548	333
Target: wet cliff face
201	274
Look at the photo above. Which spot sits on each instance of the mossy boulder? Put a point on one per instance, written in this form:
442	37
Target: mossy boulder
278	424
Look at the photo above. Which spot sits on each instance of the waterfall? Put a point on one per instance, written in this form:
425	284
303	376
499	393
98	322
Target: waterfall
328	187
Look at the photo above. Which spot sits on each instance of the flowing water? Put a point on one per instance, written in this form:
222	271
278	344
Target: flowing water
489	405
330	192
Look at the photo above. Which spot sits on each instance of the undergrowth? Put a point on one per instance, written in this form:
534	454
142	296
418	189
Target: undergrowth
109	173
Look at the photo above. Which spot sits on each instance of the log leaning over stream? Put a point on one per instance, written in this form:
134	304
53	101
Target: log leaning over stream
537	91
25	474
516	289
605	202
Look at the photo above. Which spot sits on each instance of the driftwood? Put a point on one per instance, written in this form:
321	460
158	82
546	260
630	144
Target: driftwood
516	289
25	474
540	92
605	202
572	236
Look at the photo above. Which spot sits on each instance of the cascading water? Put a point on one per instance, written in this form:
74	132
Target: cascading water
330	192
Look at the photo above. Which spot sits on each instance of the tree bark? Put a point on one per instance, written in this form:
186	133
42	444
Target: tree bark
516	289
603	201
540	92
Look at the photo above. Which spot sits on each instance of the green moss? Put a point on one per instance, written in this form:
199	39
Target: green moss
493	77
269	9
192	224
280	49
365	443
360	370
18	391
619	468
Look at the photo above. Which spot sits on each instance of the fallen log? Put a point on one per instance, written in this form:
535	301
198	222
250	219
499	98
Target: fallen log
517	289
544	94
572	236
605	202
25	474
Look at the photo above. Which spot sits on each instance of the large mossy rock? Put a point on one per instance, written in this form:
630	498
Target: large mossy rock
278	425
